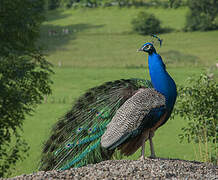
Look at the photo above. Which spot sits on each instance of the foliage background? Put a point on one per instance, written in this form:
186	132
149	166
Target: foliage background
202	15
197	104
24	75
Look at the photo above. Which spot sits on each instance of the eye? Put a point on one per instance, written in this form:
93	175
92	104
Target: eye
147	46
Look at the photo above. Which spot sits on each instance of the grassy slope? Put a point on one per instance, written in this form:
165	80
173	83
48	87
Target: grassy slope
104	38
101	47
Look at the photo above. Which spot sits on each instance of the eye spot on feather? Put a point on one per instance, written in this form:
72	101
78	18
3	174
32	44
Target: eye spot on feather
68	146
98	114
90	130
79	129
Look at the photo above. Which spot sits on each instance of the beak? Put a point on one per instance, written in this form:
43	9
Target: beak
140	49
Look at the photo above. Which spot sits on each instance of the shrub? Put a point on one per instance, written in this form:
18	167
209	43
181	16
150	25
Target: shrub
175	3
197	103
53	4
202	16
146	24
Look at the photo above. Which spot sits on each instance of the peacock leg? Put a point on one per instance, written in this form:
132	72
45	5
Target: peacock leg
145	137
151	145
143	150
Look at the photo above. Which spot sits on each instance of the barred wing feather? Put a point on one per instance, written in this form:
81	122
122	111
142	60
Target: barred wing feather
130	116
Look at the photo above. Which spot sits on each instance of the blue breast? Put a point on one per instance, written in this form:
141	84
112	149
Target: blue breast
161	80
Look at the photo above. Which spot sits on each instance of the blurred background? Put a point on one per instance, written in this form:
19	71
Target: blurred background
89	42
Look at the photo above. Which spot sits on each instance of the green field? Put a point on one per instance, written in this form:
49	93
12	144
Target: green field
102	47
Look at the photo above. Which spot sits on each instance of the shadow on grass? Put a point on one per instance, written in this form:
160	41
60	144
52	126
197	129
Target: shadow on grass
166	30
53	15
55	37
179	58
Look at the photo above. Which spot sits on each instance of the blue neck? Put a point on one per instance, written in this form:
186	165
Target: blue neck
161	80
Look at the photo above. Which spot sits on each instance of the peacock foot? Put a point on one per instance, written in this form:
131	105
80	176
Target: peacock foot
142	158
152	157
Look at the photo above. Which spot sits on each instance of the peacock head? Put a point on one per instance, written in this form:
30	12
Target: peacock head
147	47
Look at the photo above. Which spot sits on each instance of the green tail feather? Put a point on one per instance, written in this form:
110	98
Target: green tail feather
75	138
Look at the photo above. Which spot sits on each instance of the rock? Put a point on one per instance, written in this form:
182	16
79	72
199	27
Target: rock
130	169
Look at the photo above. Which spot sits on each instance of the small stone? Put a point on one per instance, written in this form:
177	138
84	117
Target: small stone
130	169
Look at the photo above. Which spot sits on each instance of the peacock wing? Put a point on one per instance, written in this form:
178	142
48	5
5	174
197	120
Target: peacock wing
132	117
75	138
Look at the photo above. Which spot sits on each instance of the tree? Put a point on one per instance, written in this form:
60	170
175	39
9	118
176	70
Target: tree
203	15
53	4
198	105
175	3
24	74
146	23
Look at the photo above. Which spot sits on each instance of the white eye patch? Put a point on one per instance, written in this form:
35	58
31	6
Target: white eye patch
147	46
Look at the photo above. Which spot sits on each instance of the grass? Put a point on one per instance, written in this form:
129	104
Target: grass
102	47
113	19
104	38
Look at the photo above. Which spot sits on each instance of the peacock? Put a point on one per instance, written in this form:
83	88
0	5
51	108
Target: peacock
117	115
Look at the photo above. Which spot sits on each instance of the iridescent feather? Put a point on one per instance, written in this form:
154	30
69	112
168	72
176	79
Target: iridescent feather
75	139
